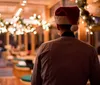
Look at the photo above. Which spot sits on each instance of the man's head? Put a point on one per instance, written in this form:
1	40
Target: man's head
67	18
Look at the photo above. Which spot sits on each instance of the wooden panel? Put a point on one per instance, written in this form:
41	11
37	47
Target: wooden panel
96	28
8	81
53	8
32	6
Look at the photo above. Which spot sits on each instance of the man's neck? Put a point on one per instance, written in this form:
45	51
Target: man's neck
62	31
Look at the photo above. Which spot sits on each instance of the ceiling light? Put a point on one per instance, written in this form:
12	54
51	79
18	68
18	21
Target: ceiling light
24	2
18	12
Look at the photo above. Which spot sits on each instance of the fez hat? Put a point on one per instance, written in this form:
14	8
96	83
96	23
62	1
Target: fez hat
67	15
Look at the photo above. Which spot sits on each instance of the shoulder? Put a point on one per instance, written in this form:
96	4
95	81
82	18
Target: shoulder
85	45
46	46
49	43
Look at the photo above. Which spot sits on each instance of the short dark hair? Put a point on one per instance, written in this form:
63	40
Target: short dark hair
64	26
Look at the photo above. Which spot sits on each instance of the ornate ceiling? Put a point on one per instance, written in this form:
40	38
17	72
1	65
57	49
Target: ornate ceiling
8	8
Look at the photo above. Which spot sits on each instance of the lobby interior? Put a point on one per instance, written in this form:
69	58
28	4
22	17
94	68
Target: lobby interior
26	24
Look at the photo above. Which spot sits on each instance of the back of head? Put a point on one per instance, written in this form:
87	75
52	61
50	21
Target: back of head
67	16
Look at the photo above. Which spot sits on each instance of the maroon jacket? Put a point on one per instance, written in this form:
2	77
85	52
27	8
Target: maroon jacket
66	61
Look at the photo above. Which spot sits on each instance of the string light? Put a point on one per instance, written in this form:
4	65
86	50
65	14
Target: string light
14	24
1	24
34	15
18	26
93	18
43	22
31	17
76	1
91	33
39	16
35	32
90	27
82	22
33	29
87	30
6	23
47	29
84	17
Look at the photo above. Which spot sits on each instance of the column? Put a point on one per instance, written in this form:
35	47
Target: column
26	41
19	40
92	39
7	38
82	31
46	14
15	37
32	35
46	35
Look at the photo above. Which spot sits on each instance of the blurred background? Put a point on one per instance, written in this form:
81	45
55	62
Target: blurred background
26	24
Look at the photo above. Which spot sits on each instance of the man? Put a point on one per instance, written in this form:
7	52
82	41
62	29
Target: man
66	60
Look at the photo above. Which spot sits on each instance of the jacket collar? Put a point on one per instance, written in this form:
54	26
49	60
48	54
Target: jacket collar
68	34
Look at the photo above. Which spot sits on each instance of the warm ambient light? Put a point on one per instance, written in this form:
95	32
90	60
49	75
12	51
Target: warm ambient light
18	12
24	1
91	33
34	15
82	22
47	29
31	17
11	22
0	15
39	16
35	32
90	27
43	22
84	17
23	4
93	18
6	22
87	30
1	24
33	29
76	1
